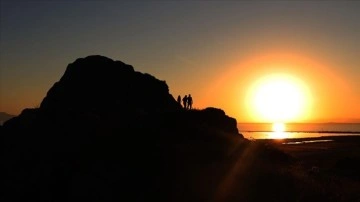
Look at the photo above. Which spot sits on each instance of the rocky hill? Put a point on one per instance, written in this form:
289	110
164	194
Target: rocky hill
105	131
99	84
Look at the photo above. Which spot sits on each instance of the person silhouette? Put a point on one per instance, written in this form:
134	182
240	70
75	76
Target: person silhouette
179	99
185	100
189	101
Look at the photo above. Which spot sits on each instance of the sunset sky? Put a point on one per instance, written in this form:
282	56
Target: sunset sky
222	53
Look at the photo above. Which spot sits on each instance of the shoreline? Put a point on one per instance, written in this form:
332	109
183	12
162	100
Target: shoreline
334	138
296	135
324	131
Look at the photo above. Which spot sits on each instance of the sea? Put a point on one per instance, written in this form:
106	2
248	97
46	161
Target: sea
298	130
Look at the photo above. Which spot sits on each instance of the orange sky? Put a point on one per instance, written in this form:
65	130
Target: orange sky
214	50
332	96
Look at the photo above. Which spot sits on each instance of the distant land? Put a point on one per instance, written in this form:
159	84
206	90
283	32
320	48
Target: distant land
5	116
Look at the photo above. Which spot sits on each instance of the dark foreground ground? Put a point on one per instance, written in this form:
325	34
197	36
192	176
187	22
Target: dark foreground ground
242	171
332	167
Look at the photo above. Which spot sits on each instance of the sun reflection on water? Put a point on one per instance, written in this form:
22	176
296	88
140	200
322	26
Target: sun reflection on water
278	131
278	135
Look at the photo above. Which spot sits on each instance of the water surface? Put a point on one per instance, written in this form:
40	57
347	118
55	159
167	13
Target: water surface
298	130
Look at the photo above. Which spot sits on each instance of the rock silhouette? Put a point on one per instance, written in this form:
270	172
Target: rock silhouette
102	85
101	115
105	132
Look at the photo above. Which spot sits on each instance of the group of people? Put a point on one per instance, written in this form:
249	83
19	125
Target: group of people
187	101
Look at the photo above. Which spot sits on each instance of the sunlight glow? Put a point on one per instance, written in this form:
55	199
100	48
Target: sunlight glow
280	98
278	127
278	135
278	131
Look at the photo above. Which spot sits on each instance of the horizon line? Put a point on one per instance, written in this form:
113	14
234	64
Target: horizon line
315	122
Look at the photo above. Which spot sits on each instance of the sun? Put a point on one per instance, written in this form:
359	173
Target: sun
279	98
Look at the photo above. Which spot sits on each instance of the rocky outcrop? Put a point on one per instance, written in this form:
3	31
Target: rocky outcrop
97	92
214	118
99	84
106	132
